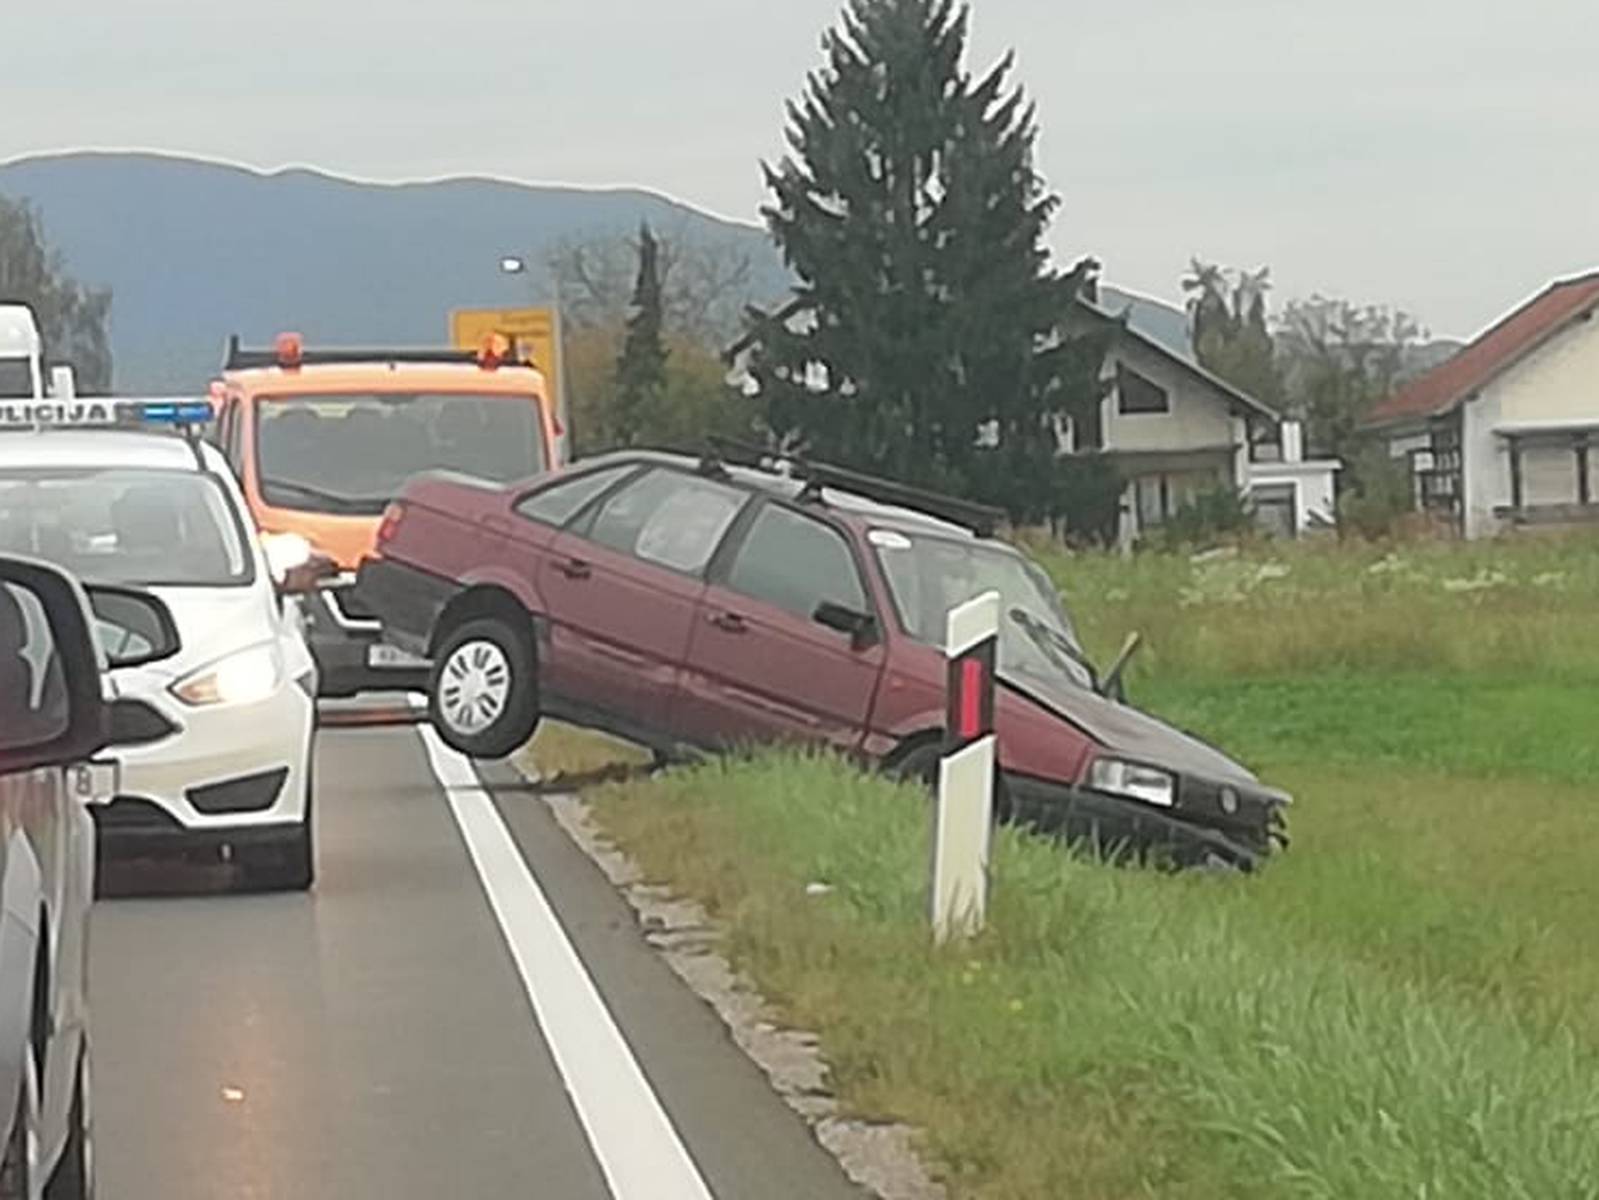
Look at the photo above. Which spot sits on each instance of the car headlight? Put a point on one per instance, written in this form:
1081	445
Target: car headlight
1133	780
242	678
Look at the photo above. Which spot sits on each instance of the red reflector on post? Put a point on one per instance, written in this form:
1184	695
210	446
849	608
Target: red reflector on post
970	709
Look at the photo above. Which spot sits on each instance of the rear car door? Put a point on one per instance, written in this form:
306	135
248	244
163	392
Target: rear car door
621	588
761	667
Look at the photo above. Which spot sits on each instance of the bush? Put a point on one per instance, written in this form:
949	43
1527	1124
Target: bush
1379	496
1219	515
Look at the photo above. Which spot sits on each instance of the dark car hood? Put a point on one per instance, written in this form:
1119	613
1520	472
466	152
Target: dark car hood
1126	730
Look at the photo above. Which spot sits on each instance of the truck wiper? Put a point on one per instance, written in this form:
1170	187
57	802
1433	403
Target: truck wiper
352	504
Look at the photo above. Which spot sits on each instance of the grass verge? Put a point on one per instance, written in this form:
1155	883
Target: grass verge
1349	1024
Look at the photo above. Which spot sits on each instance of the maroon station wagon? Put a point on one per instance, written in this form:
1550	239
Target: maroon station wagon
703	604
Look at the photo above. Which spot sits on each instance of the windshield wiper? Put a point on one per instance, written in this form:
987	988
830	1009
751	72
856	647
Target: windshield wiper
1054	644
338	500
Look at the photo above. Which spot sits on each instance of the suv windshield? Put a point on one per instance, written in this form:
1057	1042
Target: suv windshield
929	575
154	528
352	453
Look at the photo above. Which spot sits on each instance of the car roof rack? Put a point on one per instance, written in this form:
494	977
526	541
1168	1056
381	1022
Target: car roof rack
238	358
982	519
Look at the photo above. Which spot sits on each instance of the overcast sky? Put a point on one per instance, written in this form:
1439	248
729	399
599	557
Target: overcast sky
1443	157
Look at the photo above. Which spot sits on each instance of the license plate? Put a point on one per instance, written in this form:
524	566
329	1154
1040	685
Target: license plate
392	656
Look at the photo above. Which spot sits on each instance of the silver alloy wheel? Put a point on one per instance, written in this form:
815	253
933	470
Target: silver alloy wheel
474	687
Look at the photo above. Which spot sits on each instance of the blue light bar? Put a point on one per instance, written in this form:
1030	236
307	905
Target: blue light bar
176	413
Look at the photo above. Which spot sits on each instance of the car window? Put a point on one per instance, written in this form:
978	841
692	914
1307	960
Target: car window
669	518
146	526
33	696
559	503
797	563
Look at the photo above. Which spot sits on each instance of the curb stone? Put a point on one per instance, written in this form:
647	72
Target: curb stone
879	1157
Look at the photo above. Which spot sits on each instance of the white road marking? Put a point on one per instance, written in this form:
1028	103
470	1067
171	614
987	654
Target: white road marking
638	1150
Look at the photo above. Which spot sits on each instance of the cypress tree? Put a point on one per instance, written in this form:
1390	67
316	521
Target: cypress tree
930	345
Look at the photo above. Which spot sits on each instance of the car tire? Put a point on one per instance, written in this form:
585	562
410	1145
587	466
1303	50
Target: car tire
22	1147
73	1178
483	689
920	765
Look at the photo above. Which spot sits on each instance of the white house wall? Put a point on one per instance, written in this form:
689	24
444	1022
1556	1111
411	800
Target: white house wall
1558	381
1196	417
1484	465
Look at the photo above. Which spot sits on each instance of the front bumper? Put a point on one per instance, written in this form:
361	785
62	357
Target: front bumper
225	773
343	636
1121	828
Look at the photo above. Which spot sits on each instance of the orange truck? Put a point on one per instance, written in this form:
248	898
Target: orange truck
322	439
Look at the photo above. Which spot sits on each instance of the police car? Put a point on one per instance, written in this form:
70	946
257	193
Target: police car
126	493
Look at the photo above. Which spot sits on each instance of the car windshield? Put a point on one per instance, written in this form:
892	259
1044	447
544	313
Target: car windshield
929	575
352	453
153	528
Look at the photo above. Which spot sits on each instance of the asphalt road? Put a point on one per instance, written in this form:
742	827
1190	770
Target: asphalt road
462	1008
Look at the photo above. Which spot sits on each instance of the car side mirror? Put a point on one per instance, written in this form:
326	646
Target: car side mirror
133	627
861	627
59	717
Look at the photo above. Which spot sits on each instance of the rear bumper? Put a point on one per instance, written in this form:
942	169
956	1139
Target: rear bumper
1122	828
406	600
341	634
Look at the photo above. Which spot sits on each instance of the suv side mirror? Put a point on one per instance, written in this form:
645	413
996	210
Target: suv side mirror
134	627
861	627
59	714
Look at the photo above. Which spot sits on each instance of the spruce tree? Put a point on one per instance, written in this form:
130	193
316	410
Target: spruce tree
641	367
929	344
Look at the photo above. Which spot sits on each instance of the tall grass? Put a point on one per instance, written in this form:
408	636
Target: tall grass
1401	1006
1123	1034
1286	609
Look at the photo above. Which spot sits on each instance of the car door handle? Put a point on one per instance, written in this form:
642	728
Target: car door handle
573	568
728	622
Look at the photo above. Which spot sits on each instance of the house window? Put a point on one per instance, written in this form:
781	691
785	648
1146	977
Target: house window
1136	395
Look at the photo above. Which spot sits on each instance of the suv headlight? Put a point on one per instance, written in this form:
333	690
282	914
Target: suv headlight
1133	780
245	677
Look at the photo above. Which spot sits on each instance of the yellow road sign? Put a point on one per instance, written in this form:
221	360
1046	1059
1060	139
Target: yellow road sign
535	332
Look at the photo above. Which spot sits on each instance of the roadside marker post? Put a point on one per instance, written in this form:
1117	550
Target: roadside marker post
963	827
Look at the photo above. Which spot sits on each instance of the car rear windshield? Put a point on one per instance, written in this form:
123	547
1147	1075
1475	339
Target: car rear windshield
928	575
126	525
352	453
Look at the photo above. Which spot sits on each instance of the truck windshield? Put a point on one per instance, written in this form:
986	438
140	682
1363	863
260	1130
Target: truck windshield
16	379
149	527
929	575
352	453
